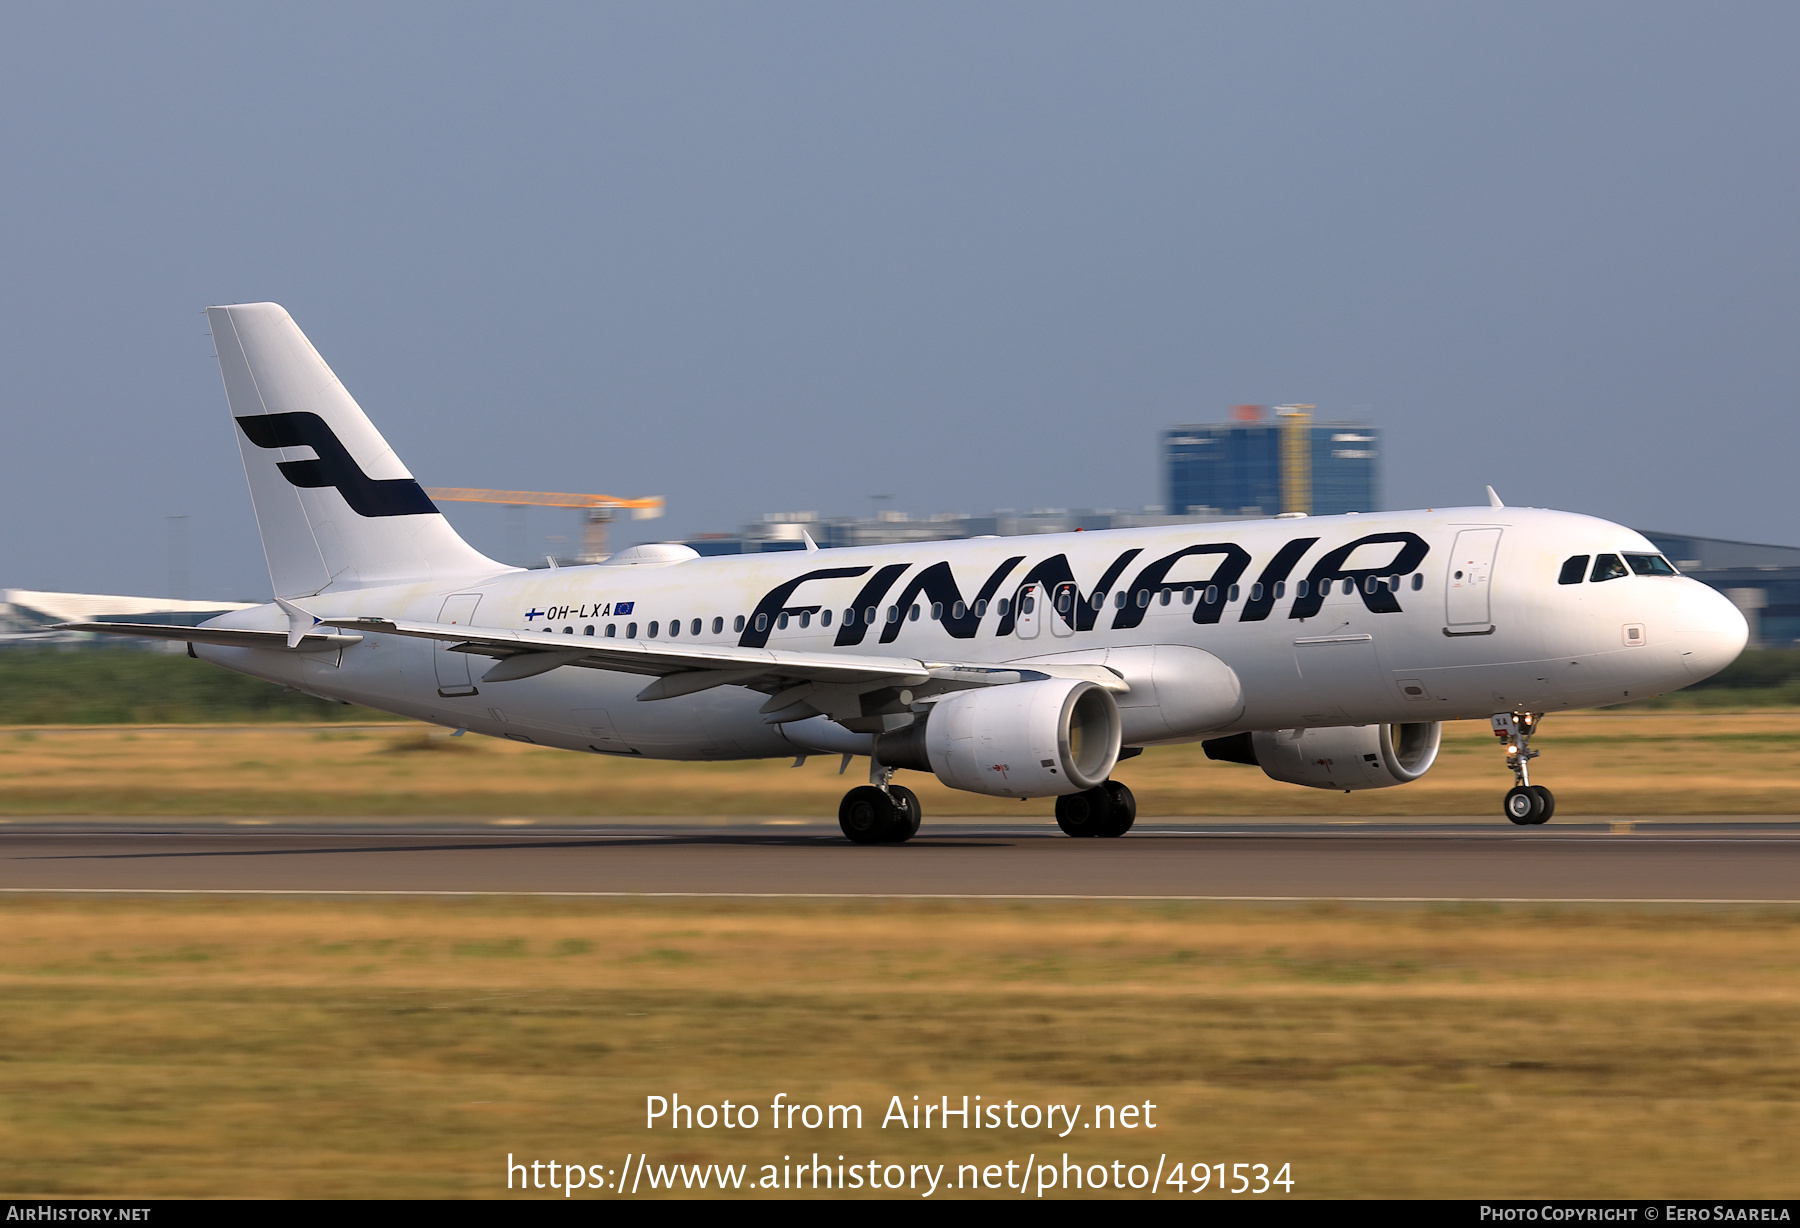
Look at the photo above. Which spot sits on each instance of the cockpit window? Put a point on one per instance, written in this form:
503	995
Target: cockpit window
1651	565
1608	567
1573	570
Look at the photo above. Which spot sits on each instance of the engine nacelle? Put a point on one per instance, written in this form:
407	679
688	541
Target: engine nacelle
1344	757
1029	739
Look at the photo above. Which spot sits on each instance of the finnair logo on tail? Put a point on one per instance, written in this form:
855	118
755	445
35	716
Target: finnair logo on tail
334	467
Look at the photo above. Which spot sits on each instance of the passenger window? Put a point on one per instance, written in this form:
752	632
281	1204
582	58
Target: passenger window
1256	592
694	627
1164	597
612	631
1299	589
1418	581
737	624
631	631
1607	567
1027	604
1369	584
958	610
1187	595
674	628
1234	593
1573	570
1324	588
1650	565
781	621
569	630
1119	600
824	618
1003	607
762	622
806	618
653	627
1393	583
1212	594
913	615
869	616
1063	600
587	631
893	614
718	626
980	609
937	610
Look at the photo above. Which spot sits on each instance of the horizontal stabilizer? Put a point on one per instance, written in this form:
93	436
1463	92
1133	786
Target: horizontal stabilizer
227	636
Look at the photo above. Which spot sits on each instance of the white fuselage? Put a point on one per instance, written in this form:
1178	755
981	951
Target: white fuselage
1477	623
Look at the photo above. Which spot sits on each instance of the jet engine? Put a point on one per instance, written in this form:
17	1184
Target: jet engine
1344	757
1029	739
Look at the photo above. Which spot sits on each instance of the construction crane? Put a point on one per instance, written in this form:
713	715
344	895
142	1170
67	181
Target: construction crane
1296	457
601	509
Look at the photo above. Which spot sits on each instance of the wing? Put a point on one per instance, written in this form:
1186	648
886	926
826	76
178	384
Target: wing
801	684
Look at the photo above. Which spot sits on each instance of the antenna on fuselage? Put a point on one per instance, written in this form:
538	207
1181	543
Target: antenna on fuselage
1494	499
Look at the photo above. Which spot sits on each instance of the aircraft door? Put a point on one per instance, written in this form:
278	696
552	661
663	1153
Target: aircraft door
1062	609
1467	607
453	677
1028	617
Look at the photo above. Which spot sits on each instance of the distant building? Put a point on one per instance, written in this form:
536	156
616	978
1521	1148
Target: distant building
1761	581
1256	466
783	530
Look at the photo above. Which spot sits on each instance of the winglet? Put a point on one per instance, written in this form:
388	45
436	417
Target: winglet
299	621
1494	499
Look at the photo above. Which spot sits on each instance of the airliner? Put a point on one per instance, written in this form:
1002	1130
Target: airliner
1327	651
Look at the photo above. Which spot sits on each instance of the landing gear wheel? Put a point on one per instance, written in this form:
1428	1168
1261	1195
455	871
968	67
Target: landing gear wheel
1107	809
1124	809
869	816
1523	806
908	814
1088	813
1548	800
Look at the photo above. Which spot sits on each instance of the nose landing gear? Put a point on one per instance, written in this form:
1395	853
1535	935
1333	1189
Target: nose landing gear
1526	804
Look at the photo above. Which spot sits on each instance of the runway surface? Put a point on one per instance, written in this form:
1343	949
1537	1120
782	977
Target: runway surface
1671	863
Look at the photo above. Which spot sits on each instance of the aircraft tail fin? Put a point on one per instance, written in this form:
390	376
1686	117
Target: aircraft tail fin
335	506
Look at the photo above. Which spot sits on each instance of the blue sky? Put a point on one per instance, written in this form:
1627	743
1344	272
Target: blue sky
787	256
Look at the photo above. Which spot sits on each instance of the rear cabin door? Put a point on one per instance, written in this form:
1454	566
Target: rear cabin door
1469	581
453	676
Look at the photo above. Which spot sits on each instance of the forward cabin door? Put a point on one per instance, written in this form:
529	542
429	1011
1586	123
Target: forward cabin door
453	676
1469	582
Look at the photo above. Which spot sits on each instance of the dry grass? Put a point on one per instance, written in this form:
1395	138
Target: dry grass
1598	764
403	1048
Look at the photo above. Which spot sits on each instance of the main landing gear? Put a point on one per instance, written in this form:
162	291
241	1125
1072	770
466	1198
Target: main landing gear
1526	804
879	812
1107	809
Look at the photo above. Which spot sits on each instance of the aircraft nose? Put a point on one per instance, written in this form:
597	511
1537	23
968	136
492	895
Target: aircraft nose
1710	630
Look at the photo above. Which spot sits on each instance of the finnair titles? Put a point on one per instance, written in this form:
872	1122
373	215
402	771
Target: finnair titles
1326	651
